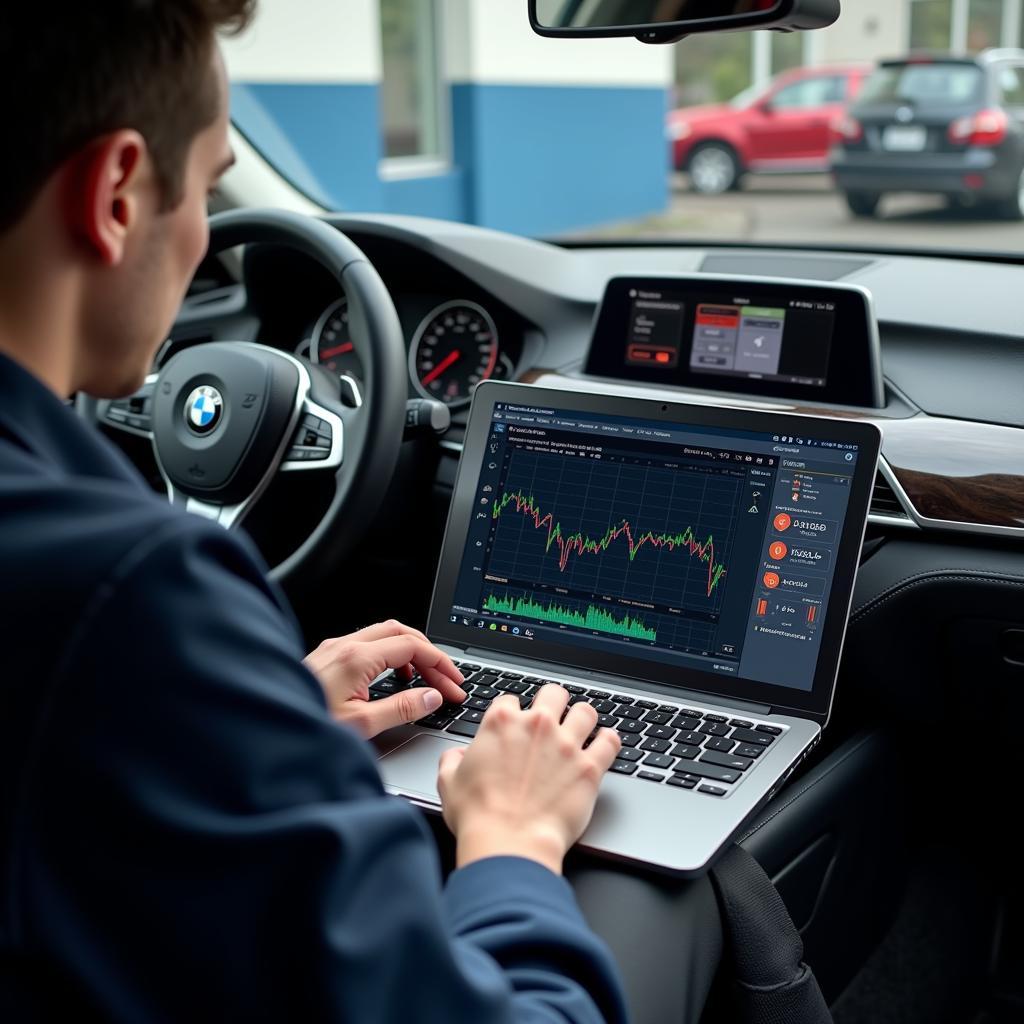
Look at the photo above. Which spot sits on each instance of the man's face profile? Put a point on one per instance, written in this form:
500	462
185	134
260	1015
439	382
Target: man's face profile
139	276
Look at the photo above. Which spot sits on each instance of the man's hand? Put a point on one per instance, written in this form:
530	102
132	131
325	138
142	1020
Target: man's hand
525	786
346	666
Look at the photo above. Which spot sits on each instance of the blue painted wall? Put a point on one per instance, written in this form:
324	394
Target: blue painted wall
545	159
535	160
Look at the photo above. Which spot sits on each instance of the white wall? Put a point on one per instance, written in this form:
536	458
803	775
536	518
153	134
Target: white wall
865	31
308	41
491	41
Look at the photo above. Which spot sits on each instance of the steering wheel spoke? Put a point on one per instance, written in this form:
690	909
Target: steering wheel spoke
131	415
318	441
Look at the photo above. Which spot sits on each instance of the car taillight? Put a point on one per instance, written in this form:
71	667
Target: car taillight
986	128
847	129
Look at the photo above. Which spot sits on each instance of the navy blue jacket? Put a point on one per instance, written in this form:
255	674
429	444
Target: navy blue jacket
185	834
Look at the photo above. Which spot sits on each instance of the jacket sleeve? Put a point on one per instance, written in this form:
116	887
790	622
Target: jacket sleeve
200	840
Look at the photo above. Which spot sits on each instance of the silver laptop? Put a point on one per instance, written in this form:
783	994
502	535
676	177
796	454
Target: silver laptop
687	570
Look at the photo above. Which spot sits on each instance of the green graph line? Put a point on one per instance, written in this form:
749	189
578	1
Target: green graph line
594	618
580	544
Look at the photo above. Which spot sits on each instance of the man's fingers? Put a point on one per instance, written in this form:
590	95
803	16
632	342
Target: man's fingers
604	748
447	767
405	649
450	690
379	630
507	703
374	717
551	698
580	721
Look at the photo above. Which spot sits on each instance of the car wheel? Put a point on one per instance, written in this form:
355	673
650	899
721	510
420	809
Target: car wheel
863	204
1012	207
713	168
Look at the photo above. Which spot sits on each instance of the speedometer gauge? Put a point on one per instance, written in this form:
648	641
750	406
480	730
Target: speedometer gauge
454	348
331	345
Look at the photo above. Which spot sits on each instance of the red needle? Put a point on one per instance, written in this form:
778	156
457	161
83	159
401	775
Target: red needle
441	367
338	350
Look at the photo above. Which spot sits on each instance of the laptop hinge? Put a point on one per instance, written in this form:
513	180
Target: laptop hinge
673	692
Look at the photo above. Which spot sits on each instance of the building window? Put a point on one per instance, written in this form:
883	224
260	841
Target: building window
985	24
931	24
411	82
713	68
788	50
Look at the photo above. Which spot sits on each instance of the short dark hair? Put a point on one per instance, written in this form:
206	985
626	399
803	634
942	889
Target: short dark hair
74	70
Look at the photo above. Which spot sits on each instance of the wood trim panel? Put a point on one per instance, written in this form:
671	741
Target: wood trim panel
957	471
953	471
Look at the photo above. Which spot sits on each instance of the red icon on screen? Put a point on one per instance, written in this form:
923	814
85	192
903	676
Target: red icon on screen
778	551
771	580
783	522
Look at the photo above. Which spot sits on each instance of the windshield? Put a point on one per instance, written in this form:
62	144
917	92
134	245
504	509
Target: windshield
925	84
456	110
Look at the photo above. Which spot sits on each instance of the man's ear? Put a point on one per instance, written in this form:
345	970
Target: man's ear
104	193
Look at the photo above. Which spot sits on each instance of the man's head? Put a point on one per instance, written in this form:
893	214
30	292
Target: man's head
118	128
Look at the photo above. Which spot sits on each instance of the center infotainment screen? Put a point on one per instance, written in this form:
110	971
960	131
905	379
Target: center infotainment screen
786	339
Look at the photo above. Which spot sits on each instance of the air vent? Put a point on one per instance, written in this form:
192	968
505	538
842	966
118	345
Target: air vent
884	501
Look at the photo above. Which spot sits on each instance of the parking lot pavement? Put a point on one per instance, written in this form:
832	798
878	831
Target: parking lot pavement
805	209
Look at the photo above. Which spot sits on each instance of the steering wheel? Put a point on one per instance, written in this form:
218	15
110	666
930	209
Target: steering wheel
227	417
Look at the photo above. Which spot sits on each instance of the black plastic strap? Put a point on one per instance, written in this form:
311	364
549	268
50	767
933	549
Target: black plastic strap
770	982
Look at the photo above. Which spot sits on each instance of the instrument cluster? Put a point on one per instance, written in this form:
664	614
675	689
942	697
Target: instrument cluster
453	345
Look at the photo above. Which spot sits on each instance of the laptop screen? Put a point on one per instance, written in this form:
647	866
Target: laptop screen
683	546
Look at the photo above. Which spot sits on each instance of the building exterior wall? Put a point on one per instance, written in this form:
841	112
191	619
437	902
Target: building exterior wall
536	143
867	30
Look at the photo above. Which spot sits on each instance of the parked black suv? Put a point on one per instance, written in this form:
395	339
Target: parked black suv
940	124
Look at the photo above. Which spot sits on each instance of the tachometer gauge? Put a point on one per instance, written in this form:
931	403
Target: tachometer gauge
331	345
454	348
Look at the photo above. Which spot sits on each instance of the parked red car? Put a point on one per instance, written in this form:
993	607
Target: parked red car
784	129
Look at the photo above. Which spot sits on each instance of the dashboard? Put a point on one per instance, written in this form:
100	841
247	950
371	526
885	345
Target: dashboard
477	304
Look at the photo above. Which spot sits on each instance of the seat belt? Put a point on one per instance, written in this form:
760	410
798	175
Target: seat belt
770	983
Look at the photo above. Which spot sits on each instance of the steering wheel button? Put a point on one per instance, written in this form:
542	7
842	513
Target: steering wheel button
323	442
317	454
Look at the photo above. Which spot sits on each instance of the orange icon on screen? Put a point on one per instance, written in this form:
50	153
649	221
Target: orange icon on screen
778	551
782	522
771	580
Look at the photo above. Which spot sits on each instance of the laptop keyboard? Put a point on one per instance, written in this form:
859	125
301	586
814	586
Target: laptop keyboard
673	744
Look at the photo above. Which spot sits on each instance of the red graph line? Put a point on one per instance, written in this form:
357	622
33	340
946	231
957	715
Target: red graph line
579	544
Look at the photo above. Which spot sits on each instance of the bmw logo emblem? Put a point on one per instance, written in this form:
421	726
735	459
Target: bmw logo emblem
203	409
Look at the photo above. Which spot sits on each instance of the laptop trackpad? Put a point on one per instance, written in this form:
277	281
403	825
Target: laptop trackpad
412	767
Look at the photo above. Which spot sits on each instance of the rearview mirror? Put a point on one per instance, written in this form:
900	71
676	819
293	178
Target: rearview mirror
665	21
